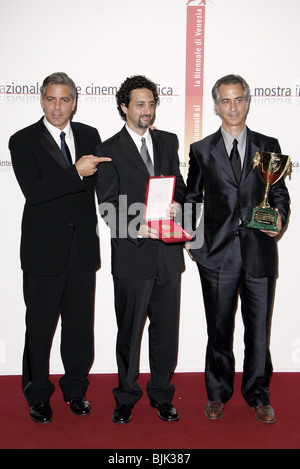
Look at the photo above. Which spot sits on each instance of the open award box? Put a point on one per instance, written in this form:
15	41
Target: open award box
159	196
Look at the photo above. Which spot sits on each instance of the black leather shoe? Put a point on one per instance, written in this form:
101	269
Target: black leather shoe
41	413
78	405
122	414
166	411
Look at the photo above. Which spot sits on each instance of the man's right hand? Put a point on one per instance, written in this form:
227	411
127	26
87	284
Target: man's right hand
87	164
146	232
187	248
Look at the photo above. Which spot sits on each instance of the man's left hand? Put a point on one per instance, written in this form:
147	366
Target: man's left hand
174	209
273	234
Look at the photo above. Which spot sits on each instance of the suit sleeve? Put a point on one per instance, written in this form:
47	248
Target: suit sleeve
279	195
37	185
180	184
107	189
111	209
194	191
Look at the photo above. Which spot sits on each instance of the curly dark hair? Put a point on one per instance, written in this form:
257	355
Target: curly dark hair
123	95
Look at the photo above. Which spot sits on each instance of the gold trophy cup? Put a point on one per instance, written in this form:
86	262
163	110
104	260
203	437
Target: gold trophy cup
271	167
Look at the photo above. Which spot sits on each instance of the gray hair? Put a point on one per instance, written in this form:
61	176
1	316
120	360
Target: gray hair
59	78
228	80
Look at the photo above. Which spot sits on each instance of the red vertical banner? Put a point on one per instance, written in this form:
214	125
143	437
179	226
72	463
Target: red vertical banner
195	29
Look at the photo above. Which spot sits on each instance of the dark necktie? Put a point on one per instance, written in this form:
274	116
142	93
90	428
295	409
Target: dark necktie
65	149
146	157
235	160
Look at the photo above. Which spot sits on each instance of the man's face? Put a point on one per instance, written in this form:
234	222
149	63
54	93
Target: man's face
140	112
232	107
58	105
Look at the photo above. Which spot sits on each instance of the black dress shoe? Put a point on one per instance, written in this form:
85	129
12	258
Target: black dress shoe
122	414
41	413
78	405
166	411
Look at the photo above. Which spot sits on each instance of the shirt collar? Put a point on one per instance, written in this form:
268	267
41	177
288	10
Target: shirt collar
229	138
241	138
137	138
55	131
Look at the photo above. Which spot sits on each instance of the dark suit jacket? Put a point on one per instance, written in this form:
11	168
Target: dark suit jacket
226	202
127	175
57	200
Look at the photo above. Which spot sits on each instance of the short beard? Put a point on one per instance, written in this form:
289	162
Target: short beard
144	126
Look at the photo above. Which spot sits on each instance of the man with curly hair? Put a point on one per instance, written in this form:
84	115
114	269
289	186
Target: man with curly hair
146	271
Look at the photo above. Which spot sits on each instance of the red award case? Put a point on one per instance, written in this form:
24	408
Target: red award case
159	195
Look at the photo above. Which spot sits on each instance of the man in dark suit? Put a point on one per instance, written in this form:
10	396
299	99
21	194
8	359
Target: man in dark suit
59	245
234	257
146	271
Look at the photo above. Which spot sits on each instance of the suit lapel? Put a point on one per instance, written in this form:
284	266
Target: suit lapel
131	153
218	151
79	142
158	146
52	148
50	145
251	149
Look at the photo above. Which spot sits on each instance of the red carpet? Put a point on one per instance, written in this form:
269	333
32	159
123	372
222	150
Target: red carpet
237	430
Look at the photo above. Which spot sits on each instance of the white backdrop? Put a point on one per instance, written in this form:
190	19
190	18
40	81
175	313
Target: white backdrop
99	44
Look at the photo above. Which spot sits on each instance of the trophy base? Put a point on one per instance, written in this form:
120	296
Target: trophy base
261	218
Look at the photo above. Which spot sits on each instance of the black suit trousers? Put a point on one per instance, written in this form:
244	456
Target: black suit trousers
72	295
159	298
220	291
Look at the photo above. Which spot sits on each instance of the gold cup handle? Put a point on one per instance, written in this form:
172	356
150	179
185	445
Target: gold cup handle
257	162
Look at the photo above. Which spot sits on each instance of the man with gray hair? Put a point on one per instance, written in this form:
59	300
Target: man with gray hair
54	164
235	258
